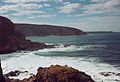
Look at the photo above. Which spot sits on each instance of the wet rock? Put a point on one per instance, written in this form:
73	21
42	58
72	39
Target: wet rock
118	74
106	73
15	73
109	74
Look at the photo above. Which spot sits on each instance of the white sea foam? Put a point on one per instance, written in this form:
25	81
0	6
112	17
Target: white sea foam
28	61
60	48
70	48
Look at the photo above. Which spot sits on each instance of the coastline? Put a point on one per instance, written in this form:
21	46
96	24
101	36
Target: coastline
11	41
19	60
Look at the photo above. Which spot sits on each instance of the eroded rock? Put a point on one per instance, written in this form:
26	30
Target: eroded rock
56	73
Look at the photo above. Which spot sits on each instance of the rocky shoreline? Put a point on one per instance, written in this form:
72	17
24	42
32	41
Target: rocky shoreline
12	40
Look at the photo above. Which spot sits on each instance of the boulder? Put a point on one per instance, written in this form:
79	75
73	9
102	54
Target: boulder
56	73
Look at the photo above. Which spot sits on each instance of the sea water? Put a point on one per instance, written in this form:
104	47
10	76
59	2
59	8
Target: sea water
93	53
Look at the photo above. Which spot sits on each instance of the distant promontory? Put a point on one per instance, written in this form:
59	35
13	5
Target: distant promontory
46	30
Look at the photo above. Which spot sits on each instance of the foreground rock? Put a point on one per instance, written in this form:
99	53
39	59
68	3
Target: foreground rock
2	79
56	73
12	40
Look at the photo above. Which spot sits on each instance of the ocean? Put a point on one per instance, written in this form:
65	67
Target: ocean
94	54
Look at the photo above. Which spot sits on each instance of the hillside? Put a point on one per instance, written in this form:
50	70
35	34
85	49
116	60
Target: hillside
45	30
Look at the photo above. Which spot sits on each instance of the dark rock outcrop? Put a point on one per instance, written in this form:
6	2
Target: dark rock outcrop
106	74
6	29
2	79
12	40
56	73
46	30
15	73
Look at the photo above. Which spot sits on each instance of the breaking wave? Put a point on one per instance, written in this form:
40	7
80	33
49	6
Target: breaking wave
29	61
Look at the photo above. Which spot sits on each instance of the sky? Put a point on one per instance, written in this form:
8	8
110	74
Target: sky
87	15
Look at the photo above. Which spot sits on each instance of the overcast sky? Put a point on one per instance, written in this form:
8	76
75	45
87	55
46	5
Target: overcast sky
87	15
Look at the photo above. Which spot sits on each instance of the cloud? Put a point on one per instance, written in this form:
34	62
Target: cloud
47	5
103	6
20	7
23	7
62	2
59	1
24	1
69	8
99	1
47	15
19	13
108	23
2	11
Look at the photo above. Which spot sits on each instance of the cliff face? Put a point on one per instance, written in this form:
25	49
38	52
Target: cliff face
7	33
12	40
6	29
45	30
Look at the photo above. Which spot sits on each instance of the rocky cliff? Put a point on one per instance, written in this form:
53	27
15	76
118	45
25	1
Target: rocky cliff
12	40
45	30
